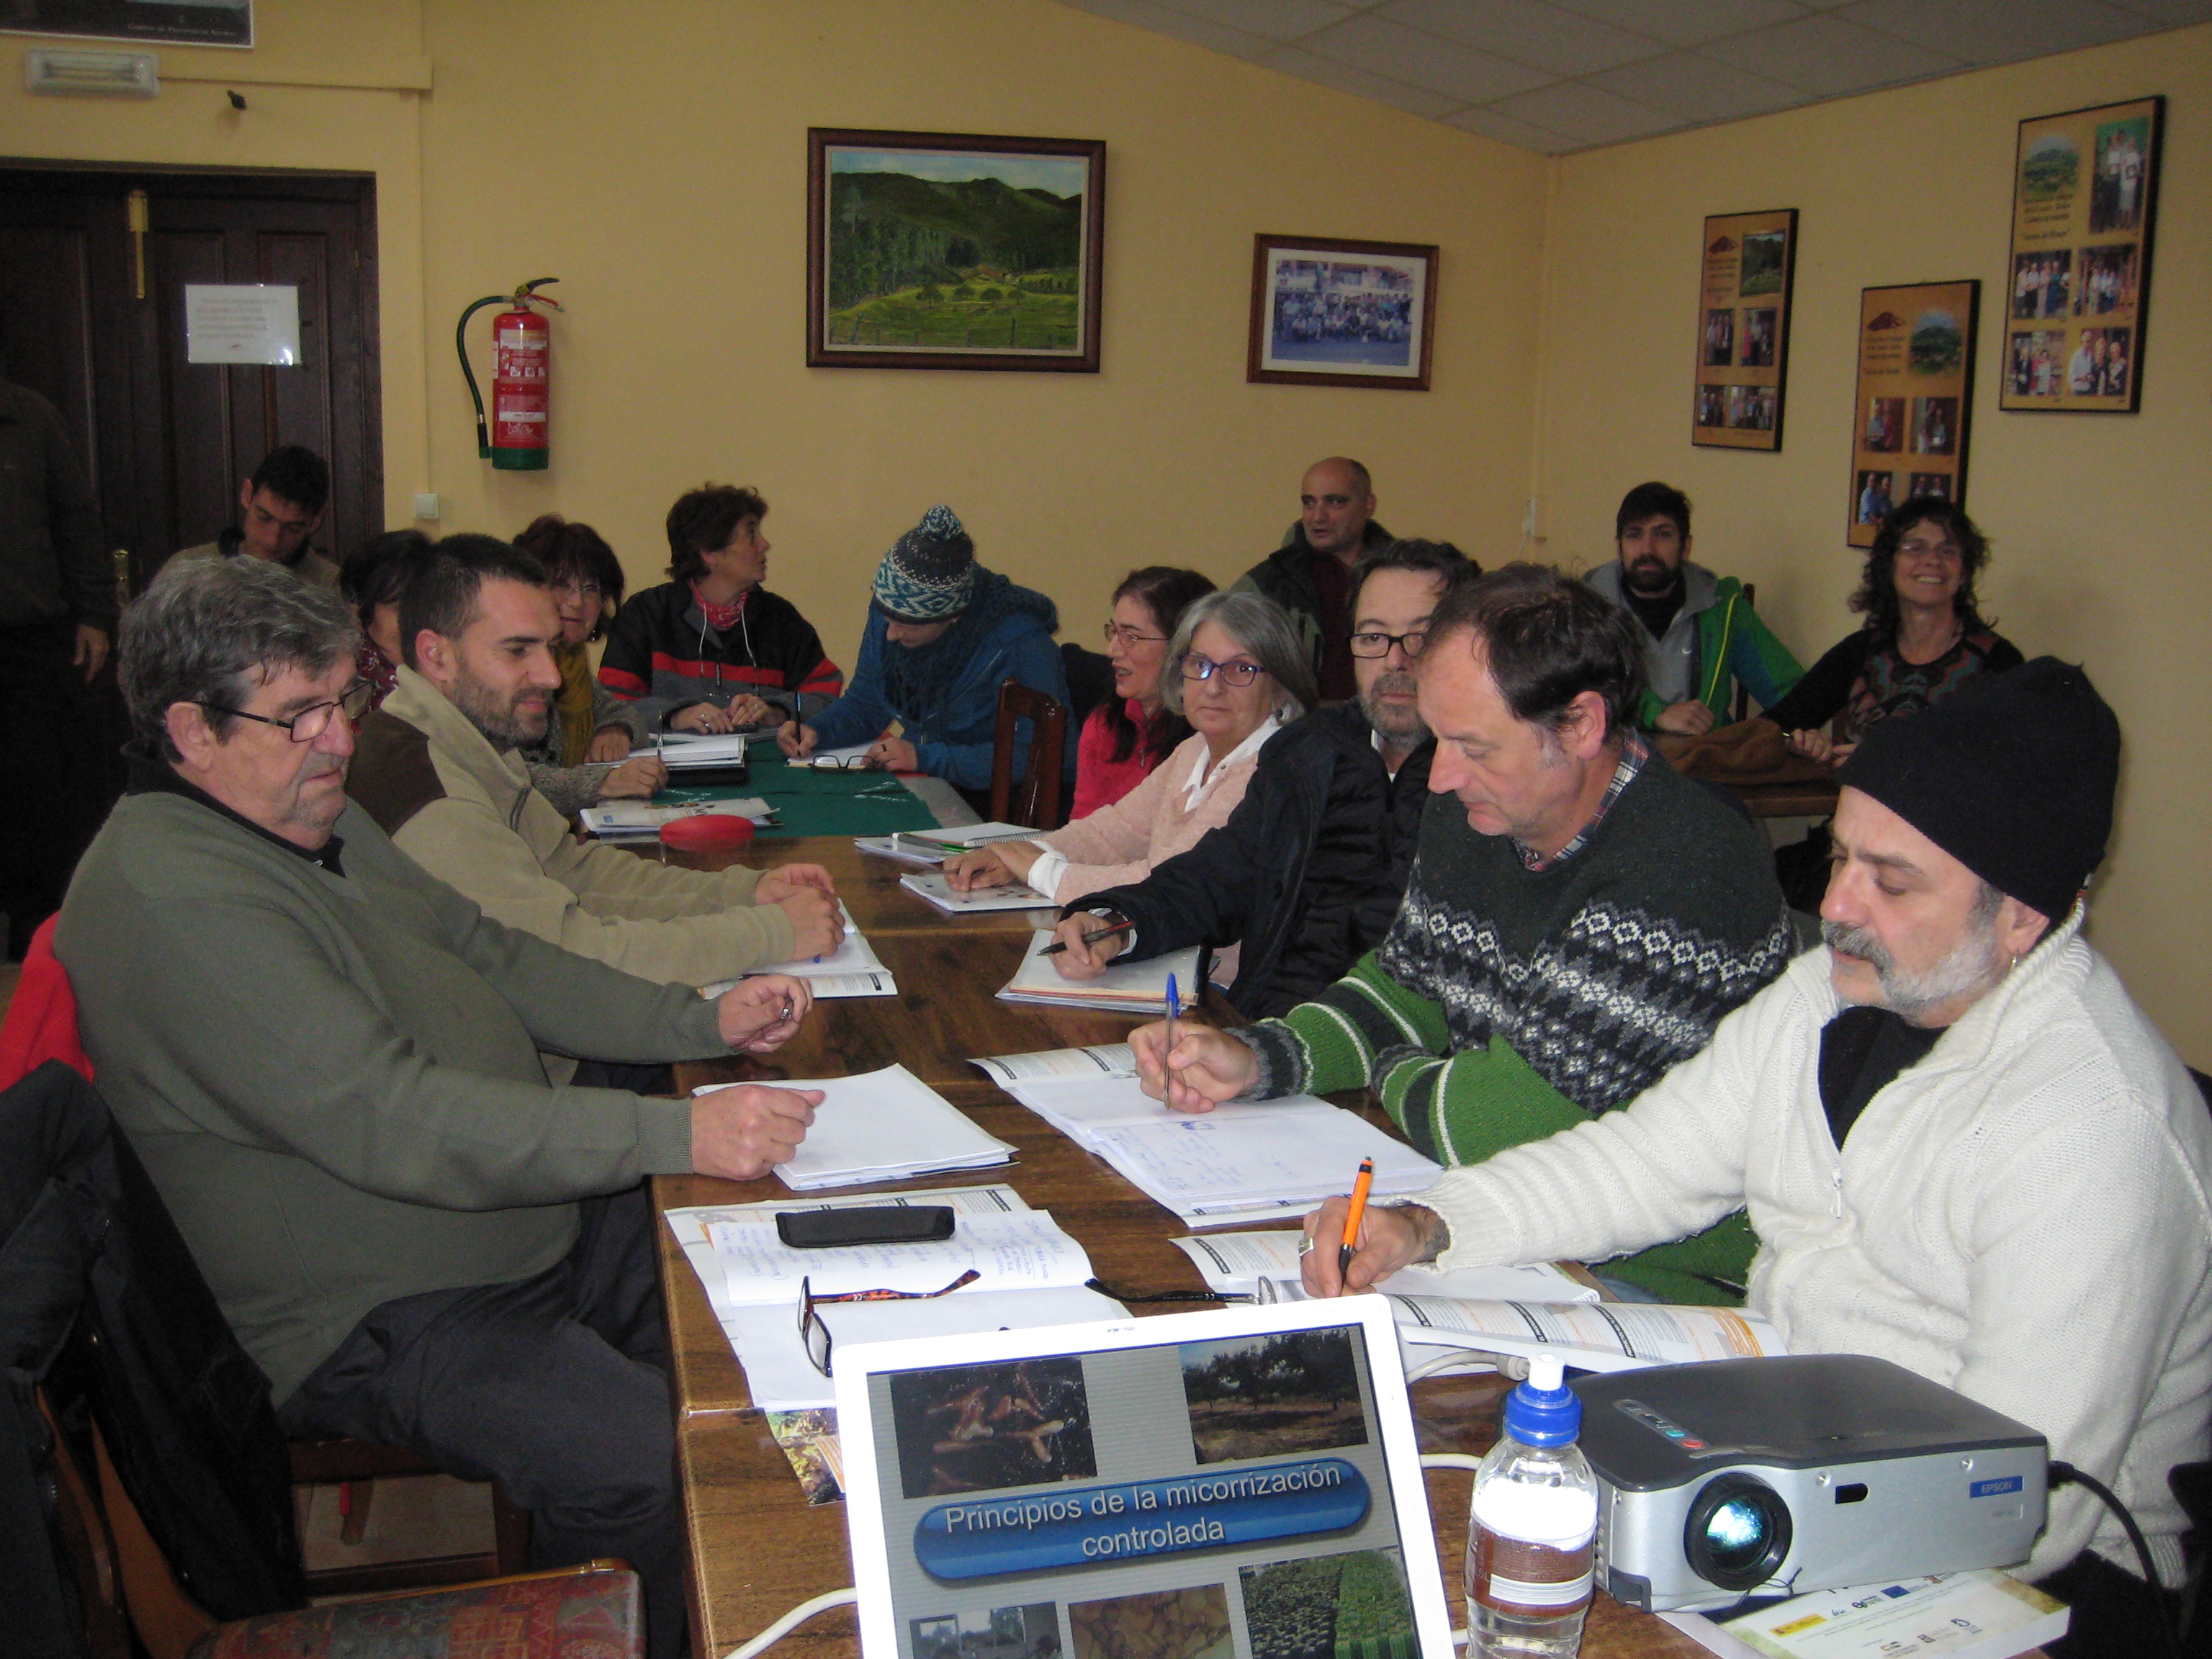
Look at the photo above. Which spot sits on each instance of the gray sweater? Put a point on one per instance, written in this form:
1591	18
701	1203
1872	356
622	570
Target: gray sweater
333	1078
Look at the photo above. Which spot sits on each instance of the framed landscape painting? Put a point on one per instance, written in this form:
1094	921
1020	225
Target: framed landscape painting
938	250
1327	312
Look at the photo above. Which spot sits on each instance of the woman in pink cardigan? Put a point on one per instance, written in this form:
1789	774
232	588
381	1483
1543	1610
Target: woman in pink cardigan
1236	673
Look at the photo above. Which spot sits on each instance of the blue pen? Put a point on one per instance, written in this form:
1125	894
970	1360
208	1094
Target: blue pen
1175	1009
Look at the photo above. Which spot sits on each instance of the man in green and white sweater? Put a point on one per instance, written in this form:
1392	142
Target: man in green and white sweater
328	1061
1577	923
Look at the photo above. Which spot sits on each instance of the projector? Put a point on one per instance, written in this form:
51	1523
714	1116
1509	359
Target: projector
1779	1477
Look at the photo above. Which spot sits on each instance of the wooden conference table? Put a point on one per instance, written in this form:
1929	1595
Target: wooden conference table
756	1548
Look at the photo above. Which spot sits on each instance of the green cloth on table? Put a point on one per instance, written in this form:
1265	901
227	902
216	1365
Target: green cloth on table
817	801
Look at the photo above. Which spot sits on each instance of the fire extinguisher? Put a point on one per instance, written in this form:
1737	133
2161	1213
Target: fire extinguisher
522	378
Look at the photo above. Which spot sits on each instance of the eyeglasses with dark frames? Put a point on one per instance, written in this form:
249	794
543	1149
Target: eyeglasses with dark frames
1129	636
814	1332
1195	667
312	721
1375	643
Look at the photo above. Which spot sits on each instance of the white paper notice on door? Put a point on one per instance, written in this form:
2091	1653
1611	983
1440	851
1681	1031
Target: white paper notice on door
248	323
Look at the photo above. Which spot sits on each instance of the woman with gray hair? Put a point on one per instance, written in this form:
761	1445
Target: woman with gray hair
1236	673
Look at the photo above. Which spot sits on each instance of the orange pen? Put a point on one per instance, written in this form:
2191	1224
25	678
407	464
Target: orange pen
1352	1216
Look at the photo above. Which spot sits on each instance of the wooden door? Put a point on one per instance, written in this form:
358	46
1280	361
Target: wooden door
169	441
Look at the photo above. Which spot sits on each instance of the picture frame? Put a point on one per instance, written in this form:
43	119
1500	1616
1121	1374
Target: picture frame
1913	410
1747	276
228	23
941	250
1328	312
2077	285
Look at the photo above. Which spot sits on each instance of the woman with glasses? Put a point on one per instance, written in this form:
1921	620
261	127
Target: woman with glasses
1132	732
585	754
1924	637
1235	672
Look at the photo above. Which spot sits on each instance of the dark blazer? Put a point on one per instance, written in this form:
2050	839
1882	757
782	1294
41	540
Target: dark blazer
101	1300
1308	873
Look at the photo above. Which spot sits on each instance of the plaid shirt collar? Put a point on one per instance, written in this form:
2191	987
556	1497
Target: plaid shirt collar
1633	753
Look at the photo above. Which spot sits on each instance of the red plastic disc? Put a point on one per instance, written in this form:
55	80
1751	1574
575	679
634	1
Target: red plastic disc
706	832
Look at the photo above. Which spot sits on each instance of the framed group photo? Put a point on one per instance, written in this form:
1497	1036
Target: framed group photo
935	250
2085	197
1331	312
1915	398
1749	262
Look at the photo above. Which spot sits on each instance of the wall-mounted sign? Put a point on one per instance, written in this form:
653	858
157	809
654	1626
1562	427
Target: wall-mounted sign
1749	262
248	323
1916	380
181	22
2084	193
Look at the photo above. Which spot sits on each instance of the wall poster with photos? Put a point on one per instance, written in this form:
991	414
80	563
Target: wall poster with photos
941	250
1749	262
1915	396
2084	196
1329	313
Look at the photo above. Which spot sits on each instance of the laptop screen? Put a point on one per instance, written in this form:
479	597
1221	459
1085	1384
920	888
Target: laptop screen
1232	1485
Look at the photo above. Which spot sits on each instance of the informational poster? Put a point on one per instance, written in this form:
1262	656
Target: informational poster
242	323
1743	329
2085	194
1915	396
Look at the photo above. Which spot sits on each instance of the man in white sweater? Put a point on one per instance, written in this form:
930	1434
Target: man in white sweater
1962	1147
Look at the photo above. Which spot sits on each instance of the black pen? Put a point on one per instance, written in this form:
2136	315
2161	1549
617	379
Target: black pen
1060	945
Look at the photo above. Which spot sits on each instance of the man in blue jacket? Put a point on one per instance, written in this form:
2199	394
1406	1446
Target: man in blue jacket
942	633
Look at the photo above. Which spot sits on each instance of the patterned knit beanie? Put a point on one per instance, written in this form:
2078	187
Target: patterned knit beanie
930	571
2013	777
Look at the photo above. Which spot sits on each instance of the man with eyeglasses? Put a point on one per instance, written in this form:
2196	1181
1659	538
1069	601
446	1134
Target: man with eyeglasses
1699	632
1578	926
328	1061
1308	873
1310	575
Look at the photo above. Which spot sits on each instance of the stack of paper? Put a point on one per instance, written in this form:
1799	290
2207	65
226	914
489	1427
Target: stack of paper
902	847
961	837
1239	1163
1238	1261
638	820
883	1126
1592	1336
1127	987
685	752
853	969
938	892
1033	1276
1982	1614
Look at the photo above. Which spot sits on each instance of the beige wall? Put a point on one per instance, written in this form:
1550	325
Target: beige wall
2101	522
654	158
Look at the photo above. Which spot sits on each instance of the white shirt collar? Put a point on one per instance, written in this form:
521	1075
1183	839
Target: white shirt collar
1201	780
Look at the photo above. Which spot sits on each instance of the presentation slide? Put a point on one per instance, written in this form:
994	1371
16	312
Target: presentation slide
1202	1500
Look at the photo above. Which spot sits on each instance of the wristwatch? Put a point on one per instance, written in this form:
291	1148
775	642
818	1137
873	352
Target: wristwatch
1113	918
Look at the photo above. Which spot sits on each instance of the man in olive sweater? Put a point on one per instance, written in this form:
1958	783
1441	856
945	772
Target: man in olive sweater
328	1063
1575	929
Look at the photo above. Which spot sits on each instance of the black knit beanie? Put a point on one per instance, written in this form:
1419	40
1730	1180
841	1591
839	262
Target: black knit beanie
2013	776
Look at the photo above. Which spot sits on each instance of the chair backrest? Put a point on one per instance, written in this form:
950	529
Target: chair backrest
1089	681
1743	691
1036	804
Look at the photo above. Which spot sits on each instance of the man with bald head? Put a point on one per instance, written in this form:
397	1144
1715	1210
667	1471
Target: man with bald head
1310	575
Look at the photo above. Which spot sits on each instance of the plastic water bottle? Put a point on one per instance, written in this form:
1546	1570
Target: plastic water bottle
1532	1525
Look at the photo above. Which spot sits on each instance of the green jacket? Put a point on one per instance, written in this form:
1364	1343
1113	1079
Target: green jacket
1717	639
333	1078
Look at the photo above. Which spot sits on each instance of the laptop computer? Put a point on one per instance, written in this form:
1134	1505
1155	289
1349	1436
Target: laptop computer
1206	1485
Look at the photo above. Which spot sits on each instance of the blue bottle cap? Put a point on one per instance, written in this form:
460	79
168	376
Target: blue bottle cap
1544	1411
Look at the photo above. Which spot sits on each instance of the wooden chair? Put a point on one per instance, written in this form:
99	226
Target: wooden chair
126	1589
355	1466
1036	804
1743	691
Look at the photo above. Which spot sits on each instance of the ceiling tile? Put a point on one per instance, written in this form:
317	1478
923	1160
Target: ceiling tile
1527	32
2170	12
1460	73
1996	31
1686	23
1828	57
1151	14
1697	89
1278	19
1491	123
1587	114
1293	60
